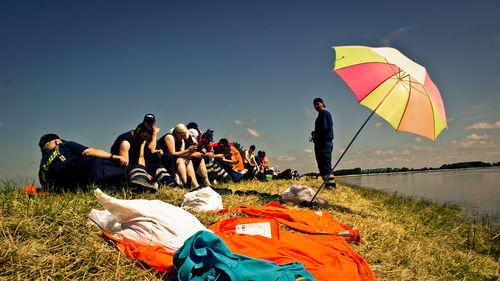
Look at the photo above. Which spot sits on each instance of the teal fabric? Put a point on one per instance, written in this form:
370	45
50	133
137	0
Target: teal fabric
205	257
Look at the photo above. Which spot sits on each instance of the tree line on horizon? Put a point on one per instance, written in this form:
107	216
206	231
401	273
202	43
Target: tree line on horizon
359	171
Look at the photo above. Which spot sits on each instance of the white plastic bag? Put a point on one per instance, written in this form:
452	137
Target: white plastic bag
202	200
301	193
145	222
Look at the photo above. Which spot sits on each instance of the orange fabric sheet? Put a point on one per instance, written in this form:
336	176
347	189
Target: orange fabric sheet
321	251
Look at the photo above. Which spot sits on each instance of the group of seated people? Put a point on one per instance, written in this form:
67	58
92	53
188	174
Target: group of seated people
183	157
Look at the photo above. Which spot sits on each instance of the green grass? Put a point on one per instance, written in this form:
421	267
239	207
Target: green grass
49	238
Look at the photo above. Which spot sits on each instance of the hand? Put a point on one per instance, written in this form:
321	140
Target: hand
159	151
156	130
123	160
192	148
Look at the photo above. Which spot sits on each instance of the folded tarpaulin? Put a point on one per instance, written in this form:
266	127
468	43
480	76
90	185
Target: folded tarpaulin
325	256
321	250
204	256
313	222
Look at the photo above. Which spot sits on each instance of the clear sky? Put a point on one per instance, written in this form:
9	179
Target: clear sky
90	70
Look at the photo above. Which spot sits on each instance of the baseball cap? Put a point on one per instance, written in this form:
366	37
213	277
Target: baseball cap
149	116
193	135
209	135
46	138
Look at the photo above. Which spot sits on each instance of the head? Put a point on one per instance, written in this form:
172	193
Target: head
180	131
192	125
223	143
149	119
207	137
318	104
49	141
252	148
192	136
143	131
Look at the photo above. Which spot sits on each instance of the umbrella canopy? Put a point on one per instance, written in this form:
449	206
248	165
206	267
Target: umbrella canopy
393	86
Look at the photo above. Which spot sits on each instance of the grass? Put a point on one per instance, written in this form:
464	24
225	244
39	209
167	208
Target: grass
49	238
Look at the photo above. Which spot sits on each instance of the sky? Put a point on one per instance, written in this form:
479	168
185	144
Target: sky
90	70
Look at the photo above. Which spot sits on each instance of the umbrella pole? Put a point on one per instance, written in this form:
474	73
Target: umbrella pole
324	180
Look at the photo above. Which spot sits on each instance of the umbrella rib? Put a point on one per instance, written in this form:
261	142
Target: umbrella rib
407	101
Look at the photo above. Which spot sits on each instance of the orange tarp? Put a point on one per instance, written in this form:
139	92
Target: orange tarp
320	249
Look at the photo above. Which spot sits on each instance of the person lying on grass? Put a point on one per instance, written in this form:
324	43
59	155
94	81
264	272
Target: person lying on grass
68	165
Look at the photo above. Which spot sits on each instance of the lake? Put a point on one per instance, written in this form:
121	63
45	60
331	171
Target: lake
476	190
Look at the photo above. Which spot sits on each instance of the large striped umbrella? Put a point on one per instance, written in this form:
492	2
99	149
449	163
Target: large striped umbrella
393	86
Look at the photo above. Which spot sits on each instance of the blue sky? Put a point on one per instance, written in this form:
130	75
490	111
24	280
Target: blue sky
90	70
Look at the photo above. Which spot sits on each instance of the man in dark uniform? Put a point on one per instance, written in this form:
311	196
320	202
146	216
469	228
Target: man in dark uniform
133	143
323	142
67	165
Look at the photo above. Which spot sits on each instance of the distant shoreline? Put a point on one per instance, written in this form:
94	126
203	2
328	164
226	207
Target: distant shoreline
411	172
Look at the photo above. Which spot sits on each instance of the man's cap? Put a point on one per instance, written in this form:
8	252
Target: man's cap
208	134
149	116
46	138
318	100
192	125
193	135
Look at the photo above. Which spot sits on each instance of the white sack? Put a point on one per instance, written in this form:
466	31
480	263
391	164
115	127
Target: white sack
145	222
301	193
202	200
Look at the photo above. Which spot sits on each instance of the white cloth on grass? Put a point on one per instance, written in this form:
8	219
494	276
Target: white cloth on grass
301	193
145	222
202	200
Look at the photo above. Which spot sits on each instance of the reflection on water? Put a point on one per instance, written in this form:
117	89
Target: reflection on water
477	190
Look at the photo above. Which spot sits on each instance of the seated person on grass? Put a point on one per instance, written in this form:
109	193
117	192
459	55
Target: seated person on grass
153	154
215	172
68	165
176	156
130	146
197	156
249	162
228	160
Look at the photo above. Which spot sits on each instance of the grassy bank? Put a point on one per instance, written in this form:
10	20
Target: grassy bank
48	238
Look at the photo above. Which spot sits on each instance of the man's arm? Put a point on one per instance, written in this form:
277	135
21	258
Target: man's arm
94	152
124	148
170	142
154	138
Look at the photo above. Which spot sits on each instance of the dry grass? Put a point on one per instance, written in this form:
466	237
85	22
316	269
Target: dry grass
46	238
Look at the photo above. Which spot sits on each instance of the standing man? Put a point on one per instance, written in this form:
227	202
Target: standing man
323	142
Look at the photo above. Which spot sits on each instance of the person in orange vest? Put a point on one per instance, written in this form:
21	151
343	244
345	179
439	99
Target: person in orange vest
264	163
228	159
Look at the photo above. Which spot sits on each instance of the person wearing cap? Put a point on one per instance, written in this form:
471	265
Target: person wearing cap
176	157
322	137
194	138
67	165
150	119
215	172
133	143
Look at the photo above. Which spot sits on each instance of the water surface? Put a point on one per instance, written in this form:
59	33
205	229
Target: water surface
476	190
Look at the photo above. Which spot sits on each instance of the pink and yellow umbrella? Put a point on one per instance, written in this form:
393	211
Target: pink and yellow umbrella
393	86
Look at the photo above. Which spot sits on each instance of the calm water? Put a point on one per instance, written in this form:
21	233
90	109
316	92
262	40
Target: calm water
477	190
